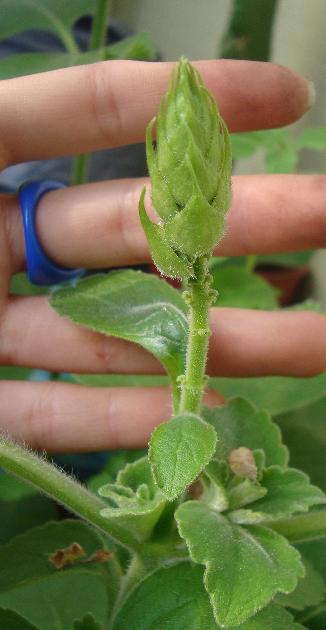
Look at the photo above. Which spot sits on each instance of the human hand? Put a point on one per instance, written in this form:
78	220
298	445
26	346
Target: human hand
96	225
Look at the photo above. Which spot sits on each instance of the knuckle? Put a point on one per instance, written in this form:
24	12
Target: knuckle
104	104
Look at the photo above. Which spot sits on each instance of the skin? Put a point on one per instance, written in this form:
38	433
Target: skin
270	213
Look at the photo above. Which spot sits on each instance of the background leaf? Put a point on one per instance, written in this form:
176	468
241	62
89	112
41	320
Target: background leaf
179	450
131	305
52	15
311	590
10	620
304	432
275	394
312	138
239	424
245	566
238	287
18	516
46	596
87	623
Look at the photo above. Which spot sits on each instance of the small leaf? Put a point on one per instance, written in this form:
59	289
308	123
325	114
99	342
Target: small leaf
240	424
172	598
271	618
288	492
135	503
275	394
10	620
164	257
238	287
245	566
131	305
179	450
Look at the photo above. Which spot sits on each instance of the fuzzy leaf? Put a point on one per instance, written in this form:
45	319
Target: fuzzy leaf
245	566
238	287
275	394
135	503
164	257
271	618
288	492
240	424
169	599
131	305
179	450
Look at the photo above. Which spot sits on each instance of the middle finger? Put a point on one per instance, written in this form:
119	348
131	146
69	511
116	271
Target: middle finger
269	214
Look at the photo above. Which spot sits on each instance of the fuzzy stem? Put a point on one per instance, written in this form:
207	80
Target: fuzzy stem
64	489
199	298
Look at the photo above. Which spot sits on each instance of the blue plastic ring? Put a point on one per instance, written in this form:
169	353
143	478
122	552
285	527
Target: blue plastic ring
40	269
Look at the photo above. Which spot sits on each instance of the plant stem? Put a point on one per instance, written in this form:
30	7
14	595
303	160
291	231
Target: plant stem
97	42
199	298
302	527
250	262
64	489
100	24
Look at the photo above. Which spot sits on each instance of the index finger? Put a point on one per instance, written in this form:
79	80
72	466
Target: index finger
88	108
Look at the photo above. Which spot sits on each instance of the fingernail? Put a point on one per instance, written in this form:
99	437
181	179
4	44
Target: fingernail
311	89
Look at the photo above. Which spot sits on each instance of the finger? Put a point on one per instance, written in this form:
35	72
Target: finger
59	417
244	343
87	108
269	213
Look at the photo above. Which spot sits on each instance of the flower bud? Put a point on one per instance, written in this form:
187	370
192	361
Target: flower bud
190	171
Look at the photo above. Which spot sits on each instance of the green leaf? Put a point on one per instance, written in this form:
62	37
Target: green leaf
311	590
135	503
120	380
240	424
179	450
17	516
19	284
10	620
172	598
87	623
312	138
49	597
139	46
304	432
282	159
288	492
271	618
243	144
238	287
57	16
288	259
164	257
135	47
131	305
115	462
14	373
12	489
245	566
275	394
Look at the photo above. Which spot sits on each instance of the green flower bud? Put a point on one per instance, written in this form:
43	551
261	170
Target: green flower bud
190	172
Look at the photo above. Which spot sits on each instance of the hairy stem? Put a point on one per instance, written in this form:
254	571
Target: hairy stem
199	298
64	489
